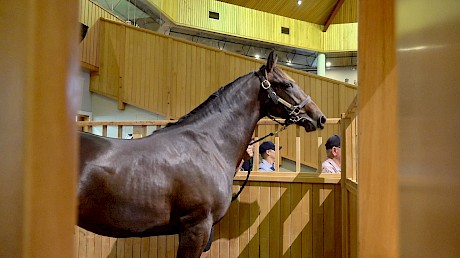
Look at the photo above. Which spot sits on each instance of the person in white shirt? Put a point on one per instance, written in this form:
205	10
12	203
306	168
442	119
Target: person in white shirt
267	151
334	155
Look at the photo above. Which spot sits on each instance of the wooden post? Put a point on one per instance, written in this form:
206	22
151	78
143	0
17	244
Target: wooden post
256	149
344	123
297	149
320	161
39	71
120	132
378	200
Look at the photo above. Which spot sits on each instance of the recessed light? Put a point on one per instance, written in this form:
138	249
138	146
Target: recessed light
299	2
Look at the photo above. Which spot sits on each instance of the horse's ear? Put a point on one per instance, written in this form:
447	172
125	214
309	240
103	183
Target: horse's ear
271	61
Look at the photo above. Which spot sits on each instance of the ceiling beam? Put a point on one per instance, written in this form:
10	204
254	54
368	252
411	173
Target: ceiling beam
333	14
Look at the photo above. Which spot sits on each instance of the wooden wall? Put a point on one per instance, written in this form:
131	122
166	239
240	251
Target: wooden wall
262	26
170	77
90	12
271	218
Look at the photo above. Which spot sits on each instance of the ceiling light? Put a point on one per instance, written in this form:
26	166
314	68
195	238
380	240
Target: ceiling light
299	2
257	56
328	64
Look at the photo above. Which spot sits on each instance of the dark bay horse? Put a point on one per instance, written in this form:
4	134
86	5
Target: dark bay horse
179	179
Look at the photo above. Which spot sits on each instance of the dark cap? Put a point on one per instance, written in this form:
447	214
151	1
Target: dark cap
268	145
333	141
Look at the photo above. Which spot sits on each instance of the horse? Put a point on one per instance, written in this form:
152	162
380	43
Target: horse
178	180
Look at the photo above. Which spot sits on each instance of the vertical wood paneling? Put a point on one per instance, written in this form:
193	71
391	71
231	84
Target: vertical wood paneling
244	219
194	14
90	12
285	220
269	219
275	222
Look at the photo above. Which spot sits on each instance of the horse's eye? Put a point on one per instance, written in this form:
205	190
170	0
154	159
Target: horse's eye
289	85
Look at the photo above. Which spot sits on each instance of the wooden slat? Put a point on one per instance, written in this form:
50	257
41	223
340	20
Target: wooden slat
269	220
275	221
296	226
307	221
317	217
254	236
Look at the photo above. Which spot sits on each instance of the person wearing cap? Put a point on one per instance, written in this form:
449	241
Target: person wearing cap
333	162
267	151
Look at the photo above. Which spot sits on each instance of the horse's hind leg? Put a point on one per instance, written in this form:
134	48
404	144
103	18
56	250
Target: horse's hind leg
193	240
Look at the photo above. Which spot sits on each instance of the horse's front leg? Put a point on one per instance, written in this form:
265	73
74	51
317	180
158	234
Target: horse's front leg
192	240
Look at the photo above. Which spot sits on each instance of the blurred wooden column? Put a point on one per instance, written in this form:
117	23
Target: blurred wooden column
38	159
378	207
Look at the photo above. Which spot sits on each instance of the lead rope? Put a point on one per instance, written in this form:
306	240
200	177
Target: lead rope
234	197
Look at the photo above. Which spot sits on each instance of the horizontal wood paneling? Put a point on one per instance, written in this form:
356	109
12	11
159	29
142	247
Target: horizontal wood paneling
170	77
269	219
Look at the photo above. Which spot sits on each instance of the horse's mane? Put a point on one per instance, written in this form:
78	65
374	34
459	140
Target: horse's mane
209	101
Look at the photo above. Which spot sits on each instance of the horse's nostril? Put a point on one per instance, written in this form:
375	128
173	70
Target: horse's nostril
322	120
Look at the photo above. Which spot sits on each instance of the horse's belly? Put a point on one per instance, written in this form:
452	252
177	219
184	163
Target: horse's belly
110	205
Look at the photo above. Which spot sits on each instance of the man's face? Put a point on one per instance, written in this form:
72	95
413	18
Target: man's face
271	153
337	151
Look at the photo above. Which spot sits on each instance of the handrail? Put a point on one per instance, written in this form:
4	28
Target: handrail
264	121
349	131
140	129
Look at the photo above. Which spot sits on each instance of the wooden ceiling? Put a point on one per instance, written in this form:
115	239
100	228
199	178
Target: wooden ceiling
314	11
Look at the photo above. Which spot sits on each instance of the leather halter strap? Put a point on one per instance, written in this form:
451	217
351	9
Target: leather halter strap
294	110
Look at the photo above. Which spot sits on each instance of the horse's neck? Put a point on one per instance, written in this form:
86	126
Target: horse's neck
233	115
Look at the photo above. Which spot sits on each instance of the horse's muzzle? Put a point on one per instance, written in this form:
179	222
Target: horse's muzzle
321	122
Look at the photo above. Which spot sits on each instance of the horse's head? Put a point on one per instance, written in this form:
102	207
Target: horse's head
286	99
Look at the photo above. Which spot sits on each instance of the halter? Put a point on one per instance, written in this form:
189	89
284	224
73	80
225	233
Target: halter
293	110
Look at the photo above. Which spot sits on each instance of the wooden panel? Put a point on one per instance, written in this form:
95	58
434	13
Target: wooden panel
378	223
260	24
348	12
269	219
89	48
340	36
90	12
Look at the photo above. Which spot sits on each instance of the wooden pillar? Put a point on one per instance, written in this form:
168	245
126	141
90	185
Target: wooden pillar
429	99
40	94
378	123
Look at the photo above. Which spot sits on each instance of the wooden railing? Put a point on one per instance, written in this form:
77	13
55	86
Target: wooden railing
291	151
349	180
